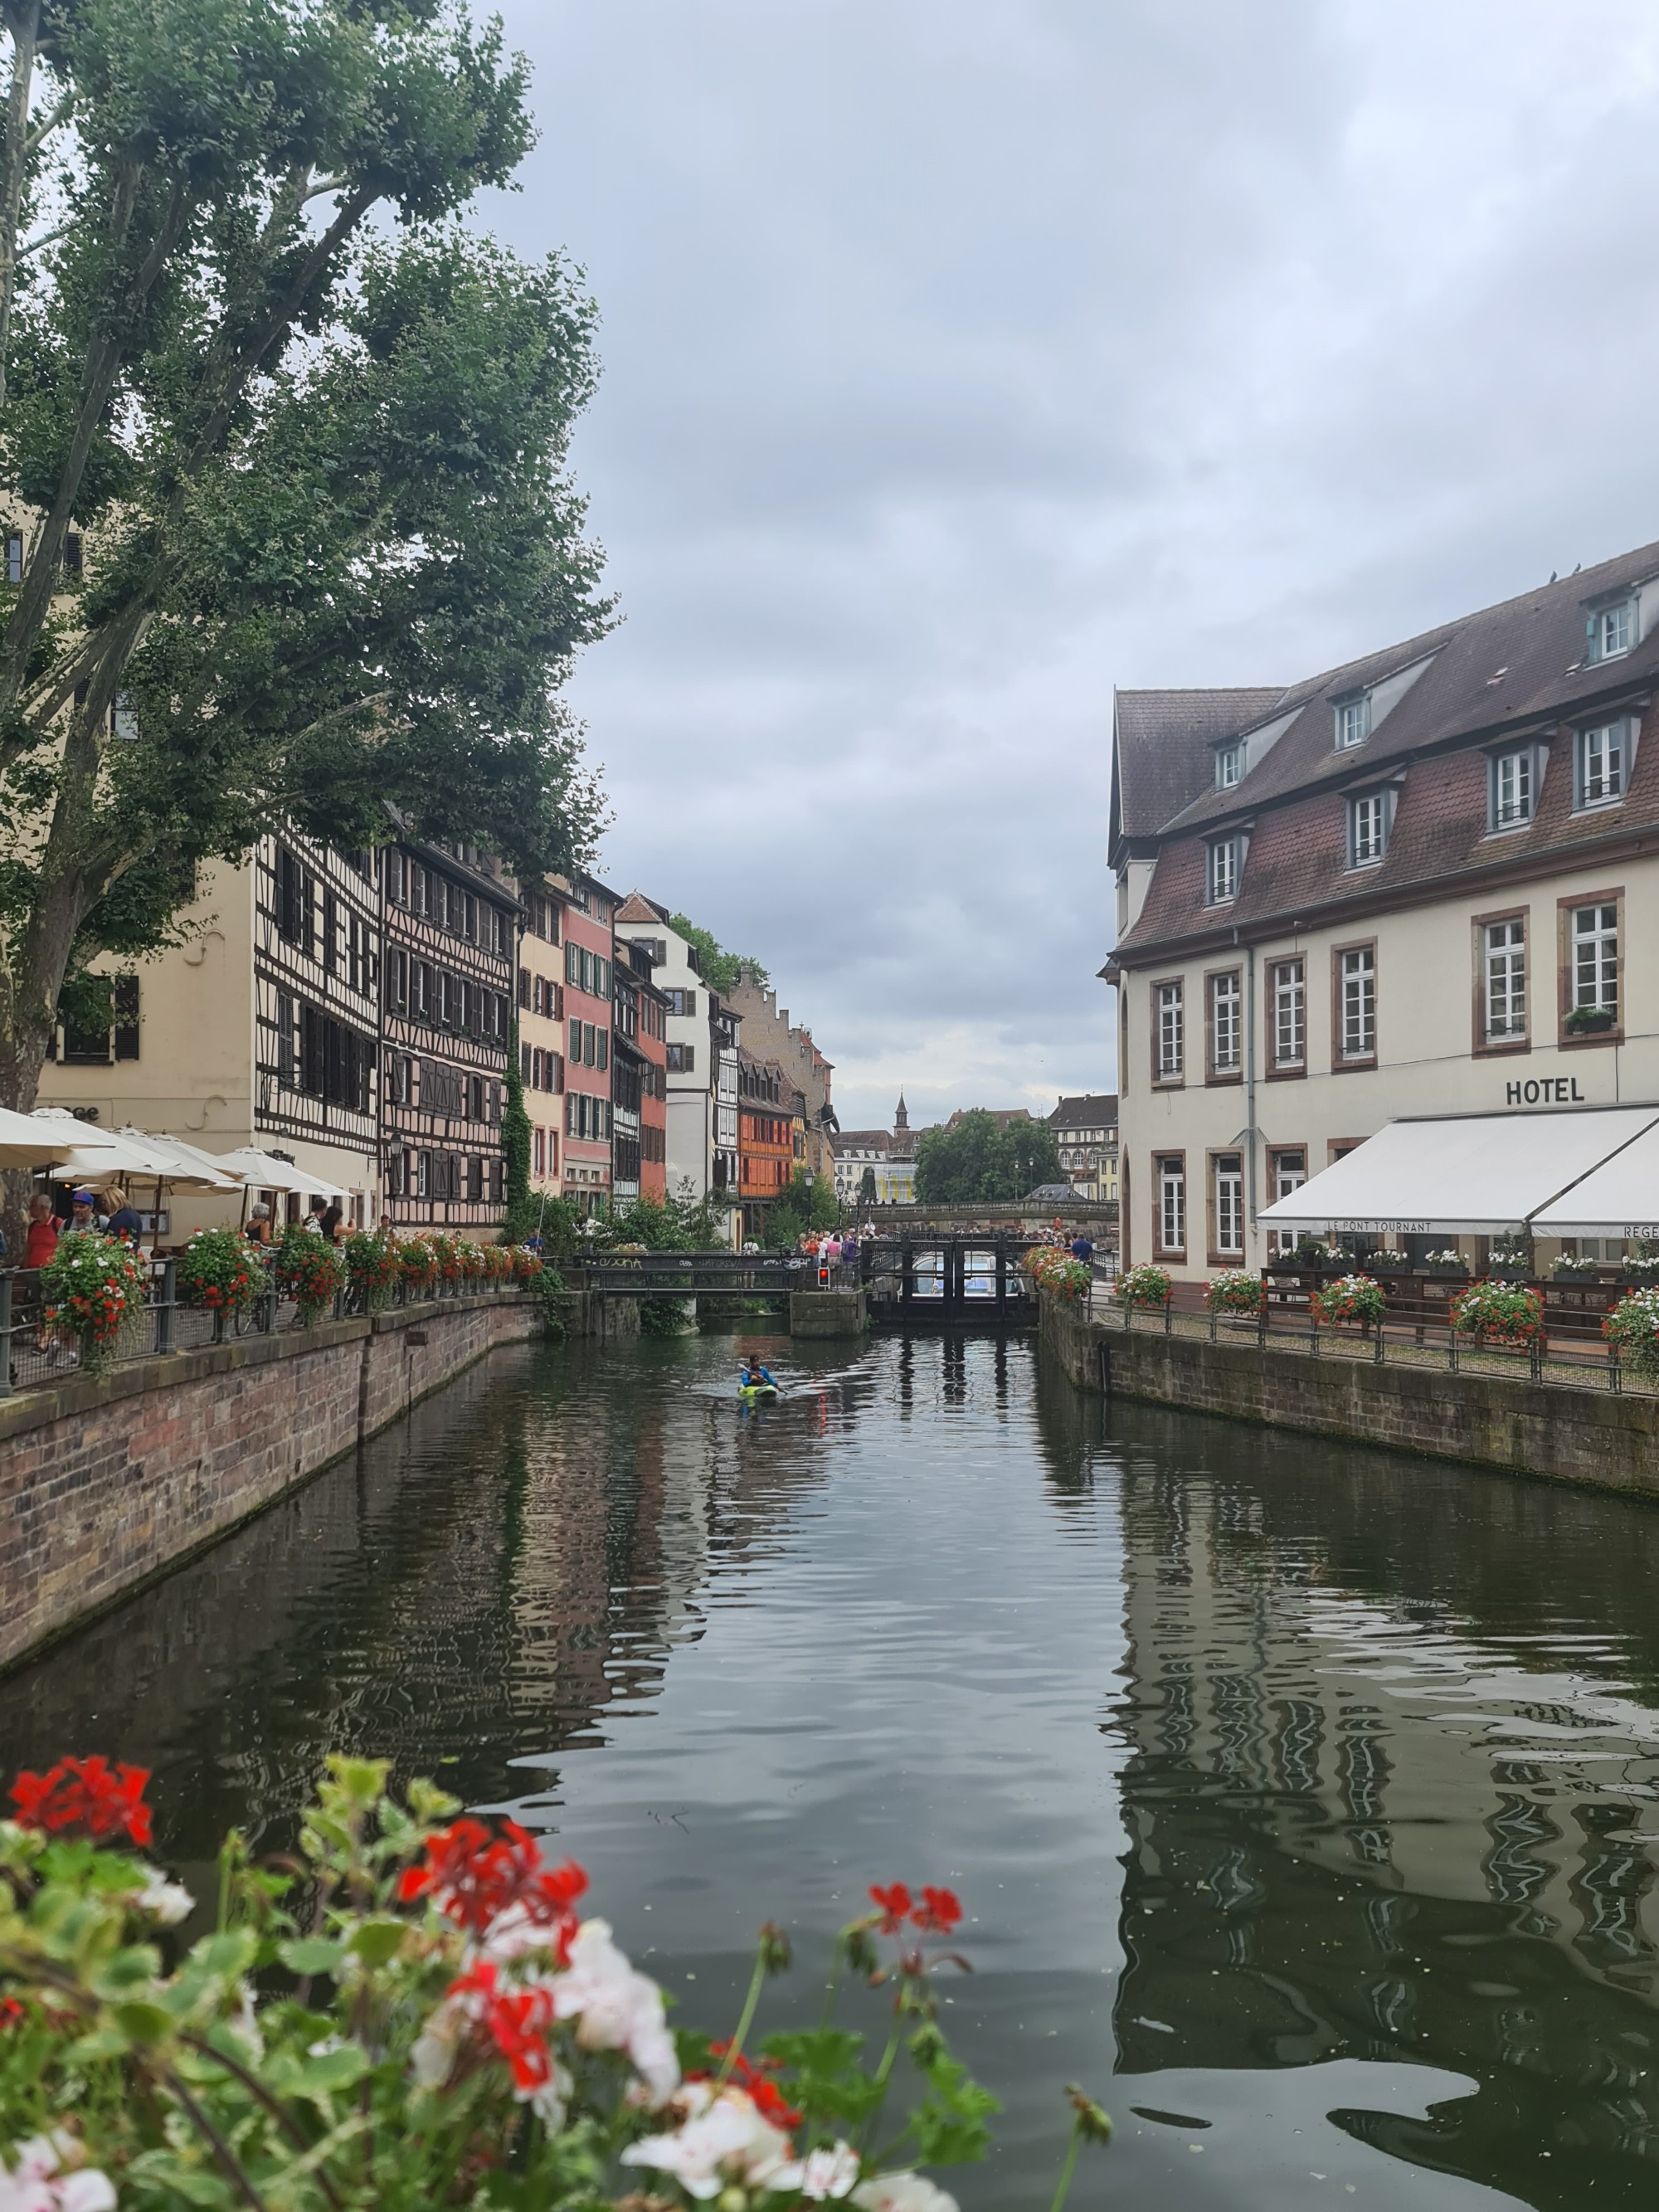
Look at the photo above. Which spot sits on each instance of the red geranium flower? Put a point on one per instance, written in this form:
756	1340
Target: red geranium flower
894	1903
471	1875
767	2098
939	1911
85	1793
516	2022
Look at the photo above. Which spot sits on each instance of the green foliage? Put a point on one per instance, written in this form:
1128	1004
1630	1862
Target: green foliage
314	430
982	1163
719	970
678	1223
219	1269
808	1203
1499	1313
520	1216
1633	1326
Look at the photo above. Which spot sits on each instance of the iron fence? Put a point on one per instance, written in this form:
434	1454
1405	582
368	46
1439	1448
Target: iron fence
35	1352
1408	1339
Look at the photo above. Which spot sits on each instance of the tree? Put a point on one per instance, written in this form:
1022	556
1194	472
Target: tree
719	970
810	1202
980	1162
285	451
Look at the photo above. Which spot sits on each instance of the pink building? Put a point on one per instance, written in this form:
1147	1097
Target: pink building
589	951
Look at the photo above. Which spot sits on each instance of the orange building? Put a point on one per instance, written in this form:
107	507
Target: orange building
766	1137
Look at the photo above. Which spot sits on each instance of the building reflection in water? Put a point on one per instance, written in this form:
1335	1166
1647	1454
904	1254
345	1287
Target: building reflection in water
1391	1796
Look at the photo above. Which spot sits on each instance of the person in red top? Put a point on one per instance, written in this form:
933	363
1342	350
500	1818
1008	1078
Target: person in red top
42	1240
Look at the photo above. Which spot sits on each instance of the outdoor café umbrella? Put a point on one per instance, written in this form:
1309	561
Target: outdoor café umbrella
265	1171
135	1154
25	1144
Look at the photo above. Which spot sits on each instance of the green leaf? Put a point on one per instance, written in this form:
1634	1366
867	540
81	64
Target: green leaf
142	2022
312	1954
331	2071
374	1941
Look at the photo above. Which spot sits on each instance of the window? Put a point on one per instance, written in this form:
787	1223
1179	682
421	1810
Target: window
1356	1003
1223	878
1171	1032
1602	753
1505	981
1228	766
293	900
1289	1013
1228	1198
1596	956
123	718
681	1002
1225	1002
72	560
1368	828
682	1059
602	1039
1612	631
15	557
1512	781
524	990
1353	722
1287	1171
1172	1204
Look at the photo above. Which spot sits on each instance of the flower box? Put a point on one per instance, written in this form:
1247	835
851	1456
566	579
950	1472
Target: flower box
1591	1021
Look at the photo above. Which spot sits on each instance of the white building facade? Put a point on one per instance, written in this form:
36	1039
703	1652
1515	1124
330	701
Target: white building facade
1425	882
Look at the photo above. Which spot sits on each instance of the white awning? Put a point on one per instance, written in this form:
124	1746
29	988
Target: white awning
1620	1198
1478	1173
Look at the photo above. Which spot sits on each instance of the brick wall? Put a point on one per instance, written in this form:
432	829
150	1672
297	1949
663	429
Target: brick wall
106	1481
1569	1435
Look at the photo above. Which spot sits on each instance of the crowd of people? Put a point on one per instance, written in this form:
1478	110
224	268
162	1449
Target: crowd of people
57	1209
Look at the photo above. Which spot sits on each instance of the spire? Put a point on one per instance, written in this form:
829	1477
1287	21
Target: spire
901	1119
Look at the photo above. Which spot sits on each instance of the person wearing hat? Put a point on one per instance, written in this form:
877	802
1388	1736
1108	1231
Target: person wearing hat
85	1213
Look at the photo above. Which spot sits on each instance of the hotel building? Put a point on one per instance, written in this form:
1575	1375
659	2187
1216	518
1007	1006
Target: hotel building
1426	882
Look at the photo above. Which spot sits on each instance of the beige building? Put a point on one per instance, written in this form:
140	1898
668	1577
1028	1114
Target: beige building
541	1033
768	1031
1085	1136
261	1028
888	1157
1423	883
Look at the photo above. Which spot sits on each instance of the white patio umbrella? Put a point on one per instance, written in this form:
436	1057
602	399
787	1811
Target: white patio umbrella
135	1155
25	1144
265	1171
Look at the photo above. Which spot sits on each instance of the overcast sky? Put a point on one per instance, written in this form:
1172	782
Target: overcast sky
962	359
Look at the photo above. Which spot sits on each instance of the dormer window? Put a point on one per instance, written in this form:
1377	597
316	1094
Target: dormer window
1353	722
1226	858
1612	631
1228	766
1603	764
1368	828
1514	788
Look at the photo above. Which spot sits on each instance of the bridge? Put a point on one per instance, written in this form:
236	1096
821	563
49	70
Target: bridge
712	1278
958	1276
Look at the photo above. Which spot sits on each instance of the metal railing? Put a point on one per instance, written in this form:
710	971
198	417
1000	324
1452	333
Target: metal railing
1413	1335
35	1352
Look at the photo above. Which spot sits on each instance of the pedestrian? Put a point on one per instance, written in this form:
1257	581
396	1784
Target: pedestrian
42	1240
1082	1249
123	1218
849	1250
83	1215
258	1224
314	1213
333	1219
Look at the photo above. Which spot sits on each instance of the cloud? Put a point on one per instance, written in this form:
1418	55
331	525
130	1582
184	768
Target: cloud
964	358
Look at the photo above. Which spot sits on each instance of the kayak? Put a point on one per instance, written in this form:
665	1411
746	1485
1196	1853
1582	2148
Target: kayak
749	1391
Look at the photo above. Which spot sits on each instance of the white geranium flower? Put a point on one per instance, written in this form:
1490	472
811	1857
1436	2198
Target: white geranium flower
902	2192
618	2008
169	1902
32	2178
828	2173
434	2054
723	2140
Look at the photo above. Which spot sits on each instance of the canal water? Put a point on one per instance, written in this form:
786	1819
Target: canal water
1301	1798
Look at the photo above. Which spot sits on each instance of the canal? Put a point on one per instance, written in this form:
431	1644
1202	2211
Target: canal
1301	1799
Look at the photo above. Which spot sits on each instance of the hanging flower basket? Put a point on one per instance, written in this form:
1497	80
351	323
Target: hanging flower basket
1234	1291
89	1285
220	1271
1052	1268
417	1263
373	1267
1144	1285
1633	1326
1499	1313
1350	1298
309	1271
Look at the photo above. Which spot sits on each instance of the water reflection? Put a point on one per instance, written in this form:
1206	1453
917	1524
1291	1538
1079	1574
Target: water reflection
1310	1793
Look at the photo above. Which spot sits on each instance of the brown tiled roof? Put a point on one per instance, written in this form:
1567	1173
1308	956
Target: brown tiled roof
1293	801
1097	1109
1163	758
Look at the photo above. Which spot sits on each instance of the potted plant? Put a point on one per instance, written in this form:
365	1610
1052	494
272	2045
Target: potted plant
1499	1313
1052	1268
1448	1262
1591	1021
89	1285
1633	1327
1234	1291
1569	1269
417	1263
1314	1252
373	1266
1510	1260
1350	1298
1389	1262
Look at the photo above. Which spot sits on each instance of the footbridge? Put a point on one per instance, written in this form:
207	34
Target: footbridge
958	1276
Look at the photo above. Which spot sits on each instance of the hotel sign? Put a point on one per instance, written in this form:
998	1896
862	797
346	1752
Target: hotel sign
1545	1090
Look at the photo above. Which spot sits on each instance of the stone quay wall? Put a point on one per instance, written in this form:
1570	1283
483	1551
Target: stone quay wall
107	1480
1602	1439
